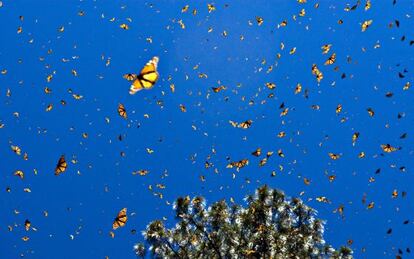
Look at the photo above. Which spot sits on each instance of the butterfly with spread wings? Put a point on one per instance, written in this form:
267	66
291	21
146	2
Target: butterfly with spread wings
61	165
146	78
121	219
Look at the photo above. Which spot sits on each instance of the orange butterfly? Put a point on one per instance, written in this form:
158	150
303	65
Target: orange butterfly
122	111
120	220
61	165
146	78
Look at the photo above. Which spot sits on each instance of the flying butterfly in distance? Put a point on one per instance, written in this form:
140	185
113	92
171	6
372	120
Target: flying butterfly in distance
120	220
146	78
122	111
330	60
61	165
365	25
334	156
257	152
218	89
388	148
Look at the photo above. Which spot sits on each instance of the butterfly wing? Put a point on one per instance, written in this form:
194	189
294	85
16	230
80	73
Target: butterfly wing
148	80
136	86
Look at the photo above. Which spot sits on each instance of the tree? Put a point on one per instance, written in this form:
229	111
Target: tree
271	226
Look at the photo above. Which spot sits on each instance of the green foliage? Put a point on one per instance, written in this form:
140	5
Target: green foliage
271	226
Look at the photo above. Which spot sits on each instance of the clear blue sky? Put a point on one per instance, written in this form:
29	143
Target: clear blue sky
84	204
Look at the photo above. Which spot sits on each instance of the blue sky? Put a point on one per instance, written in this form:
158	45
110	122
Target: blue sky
84	200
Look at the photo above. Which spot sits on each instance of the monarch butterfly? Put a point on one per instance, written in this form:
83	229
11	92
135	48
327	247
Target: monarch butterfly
319	76
257	152
203	75
147	77
185	8
27	224
271	85
298	88
367	5
284	112
388	148
49	78
282	24
121	111
47	90
259	20
340	209
371	112
124	26
245	124
19	173
355	137
338	108
61	165
317	73
331	59
322	199
141	172
314	69
365	25
218	89
263	161
49	107
395	193
326	48
120	220
211	8
334	156
16	150
183	108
